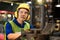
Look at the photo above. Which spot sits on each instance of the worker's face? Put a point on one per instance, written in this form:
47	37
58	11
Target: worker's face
22	14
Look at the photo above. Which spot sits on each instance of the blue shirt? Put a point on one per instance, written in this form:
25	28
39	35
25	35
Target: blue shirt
9	28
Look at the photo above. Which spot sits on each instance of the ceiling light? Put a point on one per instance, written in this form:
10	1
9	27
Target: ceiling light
29	2
58	5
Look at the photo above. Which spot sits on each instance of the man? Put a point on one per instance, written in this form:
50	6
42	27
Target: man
14	27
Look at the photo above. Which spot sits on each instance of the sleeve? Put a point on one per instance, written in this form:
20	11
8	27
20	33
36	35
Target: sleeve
31	26
8	29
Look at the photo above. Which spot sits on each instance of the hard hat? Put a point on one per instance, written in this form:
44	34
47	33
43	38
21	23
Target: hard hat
24	6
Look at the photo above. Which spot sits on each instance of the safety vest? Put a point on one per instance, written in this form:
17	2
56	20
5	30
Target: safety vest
16	28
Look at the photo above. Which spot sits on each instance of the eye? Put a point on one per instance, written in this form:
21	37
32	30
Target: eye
21	11
26	12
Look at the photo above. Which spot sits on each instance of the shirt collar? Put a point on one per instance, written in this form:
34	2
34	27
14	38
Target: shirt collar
18	24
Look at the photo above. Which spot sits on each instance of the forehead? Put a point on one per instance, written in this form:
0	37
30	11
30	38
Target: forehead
24	10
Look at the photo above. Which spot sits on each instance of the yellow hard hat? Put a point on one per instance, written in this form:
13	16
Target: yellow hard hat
22	5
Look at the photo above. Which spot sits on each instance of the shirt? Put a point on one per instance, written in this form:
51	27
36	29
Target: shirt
9	28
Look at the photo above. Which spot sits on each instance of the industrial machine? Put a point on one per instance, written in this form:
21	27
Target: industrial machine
45	23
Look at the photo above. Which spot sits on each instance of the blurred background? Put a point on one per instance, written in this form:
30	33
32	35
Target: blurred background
44	15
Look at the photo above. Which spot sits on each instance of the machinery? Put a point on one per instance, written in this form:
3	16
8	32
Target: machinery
46	26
